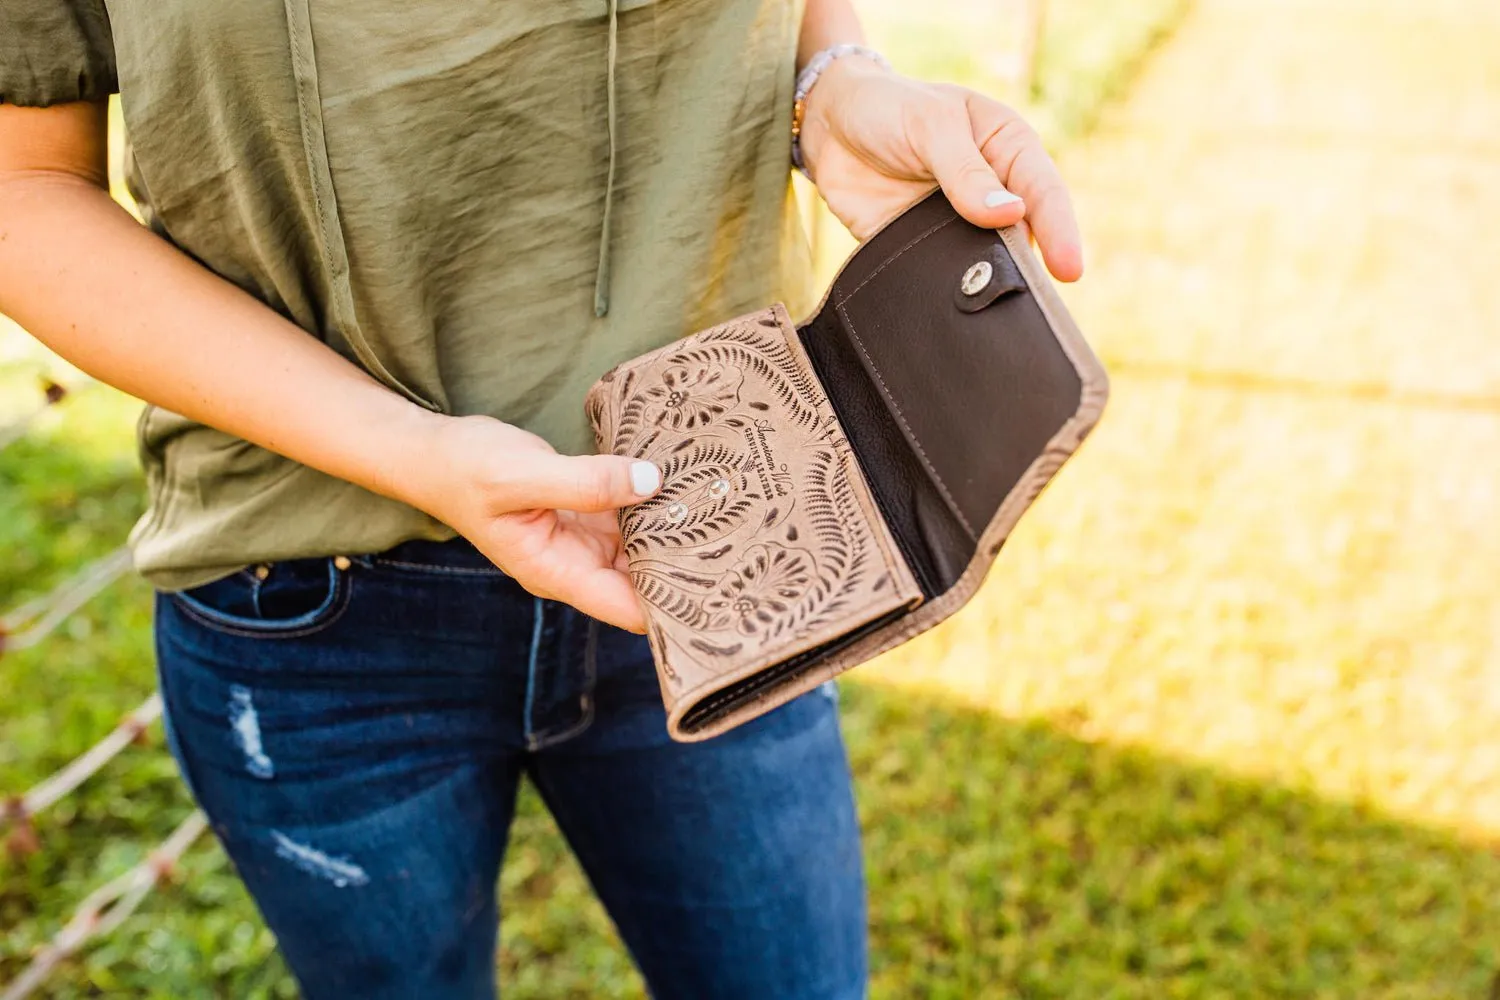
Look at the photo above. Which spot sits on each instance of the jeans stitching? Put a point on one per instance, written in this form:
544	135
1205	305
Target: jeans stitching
376	562
590	674
538	616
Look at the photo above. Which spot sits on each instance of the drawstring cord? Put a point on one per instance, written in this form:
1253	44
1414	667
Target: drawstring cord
601	278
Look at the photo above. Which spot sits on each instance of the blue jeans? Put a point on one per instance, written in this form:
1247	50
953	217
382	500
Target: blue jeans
356	731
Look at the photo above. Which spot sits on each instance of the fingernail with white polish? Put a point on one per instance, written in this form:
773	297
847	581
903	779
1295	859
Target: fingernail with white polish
997	198
645	478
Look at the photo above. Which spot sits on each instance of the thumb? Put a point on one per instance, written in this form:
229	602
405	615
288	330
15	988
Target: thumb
965	175
584	483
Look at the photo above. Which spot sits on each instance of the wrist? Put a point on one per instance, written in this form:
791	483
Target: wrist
460	467
422	460
832	91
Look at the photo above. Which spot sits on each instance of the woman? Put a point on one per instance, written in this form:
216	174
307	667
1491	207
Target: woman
388	248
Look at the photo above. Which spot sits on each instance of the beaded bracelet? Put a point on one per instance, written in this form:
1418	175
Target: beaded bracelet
809	76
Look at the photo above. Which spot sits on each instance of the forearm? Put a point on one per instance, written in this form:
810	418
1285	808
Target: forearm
86	279
825	23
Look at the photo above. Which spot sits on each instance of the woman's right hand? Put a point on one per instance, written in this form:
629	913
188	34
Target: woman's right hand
548	520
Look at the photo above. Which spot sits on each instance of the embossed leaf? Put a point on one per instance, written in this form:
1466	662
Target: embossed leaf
762	589
692	395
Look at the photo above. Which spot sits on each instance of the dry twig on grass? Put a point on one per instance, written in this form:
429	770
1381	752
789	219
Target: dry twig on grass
21	808
33	621
107	907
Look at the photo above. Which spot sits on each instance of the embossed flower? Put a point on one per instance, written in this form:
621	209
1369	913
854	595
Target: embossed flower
693	395
761	589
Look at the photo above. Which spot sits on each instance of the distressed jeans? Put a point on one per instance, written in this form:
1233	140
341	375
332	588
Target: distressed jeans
356	730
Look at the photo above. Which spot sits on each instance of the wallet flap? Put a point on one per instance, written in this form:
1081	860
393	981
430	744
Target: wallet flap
764	544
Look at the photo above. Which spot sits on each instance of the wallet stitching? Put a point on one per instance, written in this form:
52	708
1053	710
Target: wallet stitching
1067	439
884	389
1057	323
910	434
839	305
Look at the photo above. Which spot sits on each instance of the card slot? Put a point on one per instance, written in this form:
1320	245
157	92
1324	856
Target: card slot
733	696
935	545
906	428
841	298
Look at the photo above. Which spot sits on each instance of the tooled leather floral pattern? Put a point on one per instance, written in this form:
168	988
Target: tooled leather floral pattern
758	537
761	590
687	397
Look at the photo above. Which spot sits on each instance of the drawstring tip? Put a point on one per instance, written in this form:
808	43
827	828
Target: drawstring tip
601	275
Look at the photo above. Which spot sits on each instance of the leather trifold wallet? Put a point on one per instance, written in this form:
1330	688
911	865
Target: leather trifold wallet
831	489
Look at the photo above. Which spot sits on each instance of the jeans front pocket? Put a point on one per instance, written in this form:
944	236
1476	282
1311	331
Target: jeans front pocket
285	601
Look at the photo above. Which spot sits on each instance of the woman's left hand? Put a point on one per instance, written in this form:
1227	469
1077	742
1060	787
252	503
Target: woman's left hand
874	142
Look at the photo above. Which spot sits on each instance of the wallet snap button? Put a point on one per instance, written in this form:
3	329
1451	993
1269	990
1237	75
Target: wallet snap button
988	280
977	277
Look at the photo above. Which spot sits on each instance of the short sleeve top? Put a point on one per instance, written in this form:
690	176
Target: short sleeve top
425	187
54	52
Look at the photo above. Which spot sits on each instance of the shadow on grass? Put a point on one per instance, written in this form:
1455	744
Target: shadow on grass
1005	860
1010	859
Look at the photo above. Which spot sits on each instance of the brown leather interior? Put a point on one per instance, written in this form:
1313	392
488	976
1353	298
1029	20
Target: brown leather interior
946	409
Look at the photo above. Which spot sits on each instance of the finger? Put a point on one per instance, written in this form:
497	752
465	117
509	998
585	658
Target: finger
578	482
601	592
971	184
608	595
1015	152
603	531
604	526
558	556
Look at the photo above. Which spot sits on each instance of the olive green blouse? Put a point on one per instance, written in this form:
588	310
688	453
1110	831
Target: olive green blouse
484	203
